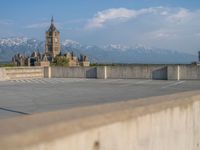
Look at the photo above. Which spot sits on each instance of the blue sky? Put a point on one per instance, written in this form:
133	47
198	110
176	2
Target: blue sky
172	24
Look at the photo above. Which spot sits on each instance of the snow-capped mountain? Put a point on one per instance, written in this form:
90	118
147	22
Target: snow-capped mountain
116	47
113	53
13	41
68	42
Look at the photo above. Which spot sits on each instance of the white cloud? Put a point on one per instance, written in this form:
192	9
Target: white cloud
120	15
179	16
111	14
175	28
173	15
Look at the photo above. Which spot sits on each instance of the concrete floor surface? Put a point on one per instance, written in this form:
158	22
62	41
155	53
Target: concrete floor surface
29	96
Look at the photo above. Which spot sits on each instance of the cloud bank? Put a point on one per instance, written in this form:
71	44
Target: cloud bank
174	28
163	27
124	15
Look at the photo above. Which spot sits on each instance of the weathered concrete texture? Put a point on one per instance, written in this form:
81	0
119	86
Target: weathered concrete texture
155	72
73	72
112	72
189	72
24	72
173	72
183	72
2	74
47	72
102	72
137	72
159	123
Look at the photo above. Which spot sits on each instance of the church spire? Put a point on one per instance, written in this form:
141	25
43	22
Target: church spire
52	20
52	26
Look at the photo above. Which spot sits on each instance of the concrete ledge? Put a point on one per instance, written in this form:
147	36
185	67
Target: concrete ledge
2	74
22	72
164	122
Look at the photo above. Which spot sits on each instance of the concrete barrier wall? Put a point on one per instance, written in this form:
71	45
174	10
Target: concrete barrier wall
73	72
189	72
158	72
47	72
155	72
102	72
159	123
173	72
2	74
23	72
183	72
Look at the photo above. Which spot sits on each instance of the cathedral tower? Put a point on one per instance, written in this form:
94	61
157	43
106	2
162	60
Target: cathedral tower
52	46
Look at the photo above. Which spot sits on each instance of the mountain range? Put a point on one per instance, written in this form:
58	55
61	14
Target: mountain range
113	53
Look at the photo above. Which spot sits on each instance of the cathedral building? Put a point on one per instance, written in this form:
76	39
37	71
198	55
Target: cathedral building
52	50
52	46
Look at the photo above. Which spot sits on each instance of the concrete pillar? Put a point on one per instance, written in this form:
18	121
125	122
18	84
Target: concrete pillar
2	74
47	72
102	72
173	72
178	72
105	72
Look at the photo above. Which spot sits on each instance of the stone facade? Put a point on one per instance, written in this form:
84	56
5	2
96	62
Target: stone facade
74	61
52	46
52	50
35	59
84	61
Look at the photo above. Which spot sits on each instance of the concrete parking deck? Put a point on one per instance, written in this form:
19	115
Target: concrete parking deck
25	97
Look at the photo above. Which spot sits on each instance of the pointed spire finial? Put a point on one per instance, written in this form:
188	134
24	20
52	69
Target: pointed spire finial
52	20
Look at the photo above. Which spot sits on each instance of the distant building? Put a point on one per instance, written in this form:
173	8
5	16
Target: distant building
199	56
83	60
197	62
52	50
52	44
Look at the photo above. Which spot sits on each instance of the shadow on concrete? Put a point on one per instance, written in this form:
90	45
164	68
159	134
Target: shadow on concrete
91	73
14	111
160	74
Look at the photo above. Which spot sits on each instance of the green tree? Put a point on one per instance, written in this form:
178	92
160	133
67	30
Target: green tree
60	61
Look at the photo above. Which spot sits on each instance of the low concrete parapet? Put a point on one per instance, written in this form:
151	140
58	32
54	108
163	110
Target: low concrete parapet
183	72
2	74
169	122
73	72
148	72
157	72
47	72
11	73
189	72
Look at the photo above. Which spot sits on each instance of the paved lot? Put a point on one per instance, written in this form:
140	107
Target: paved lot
24	97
